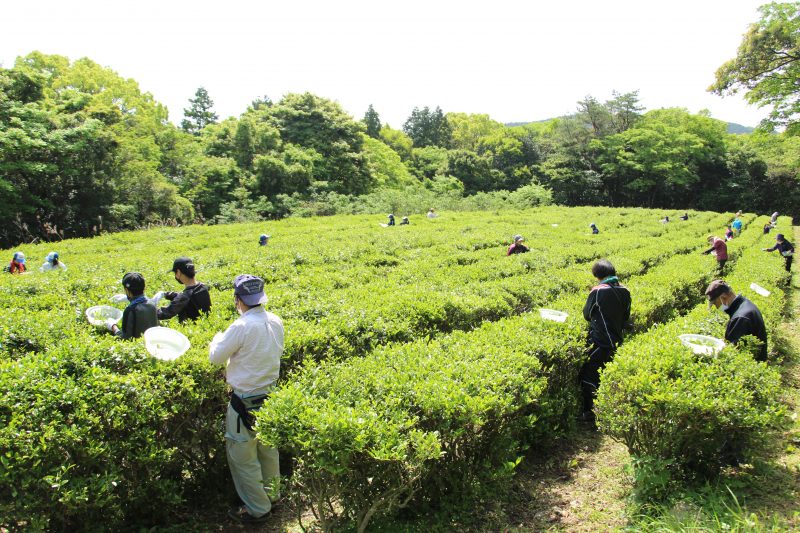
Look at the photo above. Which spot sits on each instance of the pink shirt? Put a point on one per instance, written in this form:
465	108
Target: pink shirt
720	249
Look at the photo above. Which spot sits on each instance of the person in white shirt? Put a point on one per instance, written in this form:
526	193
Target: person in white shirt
252	347
51	262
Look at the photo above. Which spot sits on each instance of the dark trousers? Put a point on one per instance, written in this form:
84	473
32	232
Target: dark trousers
721	266
589	374
789	263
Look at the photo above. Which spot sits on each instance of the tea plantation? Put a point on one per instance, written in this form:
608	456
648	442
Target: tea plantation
417	367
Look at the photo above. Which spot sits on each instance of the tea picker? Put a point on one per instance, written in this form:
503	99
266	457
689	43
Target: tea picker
786	249
607	309
52	263
17	264
263	239
595	229
139	315
193	301
517	247
745	318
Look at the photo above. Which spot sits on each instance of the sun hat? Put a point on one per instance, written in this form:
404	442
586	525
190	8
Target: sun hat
518	238
779	237
19	257
249	289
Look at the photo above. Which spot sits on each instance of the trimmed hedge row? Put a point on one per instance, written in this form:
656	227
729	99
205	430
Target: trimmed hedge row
682	415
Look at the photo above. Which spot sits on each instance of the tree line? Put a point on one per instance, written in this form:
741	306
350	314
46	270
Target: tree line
83	150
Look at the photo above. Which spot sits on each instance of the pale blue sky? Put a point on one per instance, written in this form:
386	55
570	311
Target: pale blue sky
514	60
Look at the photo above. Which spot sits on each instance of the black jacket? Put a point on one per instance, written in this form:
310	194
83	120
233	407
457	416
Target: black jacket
746	319
188	304
607	309
136	319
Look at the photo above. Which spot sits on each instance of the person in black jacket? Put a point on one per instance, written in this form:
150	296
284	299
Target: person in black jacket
139	315
194	299
786	249
607	309
745	318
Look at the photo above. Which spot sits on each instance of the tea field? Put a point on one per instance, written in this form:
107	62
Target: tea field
417	367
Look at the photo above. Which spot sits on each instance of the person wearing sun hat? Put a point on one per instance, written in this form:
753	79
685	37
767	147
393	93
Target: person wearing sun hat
251	347
786	249
17	265
193	301
745	318
517	247
720	250
51	262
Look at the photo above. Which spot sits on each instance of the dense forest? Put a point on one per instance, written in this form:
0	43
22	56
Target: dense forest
83	150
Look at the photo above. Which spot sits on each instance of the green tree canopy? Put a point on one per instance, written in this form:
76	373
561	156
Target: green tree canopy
767	65
428	128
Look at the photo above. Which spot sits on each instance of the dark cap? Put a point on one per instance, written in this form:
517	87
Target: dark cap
779	237
716	289
134	282
185	265
249	289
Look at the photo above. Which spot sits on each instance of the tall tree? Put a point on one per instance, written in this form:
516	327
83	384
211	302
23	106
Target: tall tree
373	122
428	128
767	66
199	114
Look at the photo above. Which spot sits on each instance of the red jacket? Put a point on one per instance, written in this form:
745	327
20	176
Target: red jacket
17	267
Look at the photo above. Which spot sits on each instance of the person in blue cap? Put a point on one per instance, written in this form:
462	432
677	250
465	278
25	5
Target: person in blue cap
51	262
251	348
391	220
595	230
263	240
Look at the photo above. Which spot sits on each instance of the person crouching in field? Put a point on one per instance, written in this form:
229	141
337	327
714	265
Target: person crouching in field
745	318
607	309
720	250
252	348
140	315
51	262
517	247
17	264
193	301
594	228
786	249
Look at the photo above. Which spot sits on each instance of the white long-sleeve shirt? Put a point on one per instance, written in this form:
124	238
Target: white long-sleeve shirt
252	347
48	266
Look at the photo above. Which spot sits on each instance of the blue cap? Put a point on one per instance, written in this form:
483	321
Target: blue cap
250	290
19	257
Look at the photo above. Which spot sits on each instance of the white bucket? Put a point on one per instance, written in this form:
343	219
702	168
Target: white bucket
552	314
98	314
702	344
165	343
759	289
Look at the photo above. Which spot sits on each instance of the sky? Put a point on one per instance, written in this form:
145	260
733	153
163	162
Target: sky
515	60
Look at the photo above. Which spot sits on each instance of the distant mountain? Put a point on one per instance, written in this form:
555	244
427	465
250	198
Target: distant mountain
732	126
738	128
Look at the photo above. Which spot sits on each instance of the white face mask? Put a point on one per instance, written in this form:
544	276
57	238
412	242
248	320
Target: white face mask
723	307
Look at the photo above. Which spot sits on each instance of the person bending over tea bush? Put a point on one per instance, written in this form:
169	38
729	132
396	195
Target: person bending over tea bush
607	309
745	318
786	249
140	315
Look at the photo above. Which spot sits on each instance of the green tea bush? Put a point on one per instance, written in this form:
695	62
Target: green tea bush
683	415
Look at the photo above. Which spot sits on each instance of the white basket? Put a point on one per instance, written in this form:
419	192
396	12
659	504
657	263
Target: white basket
759	289
98	314
552	314
165	343
702	344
